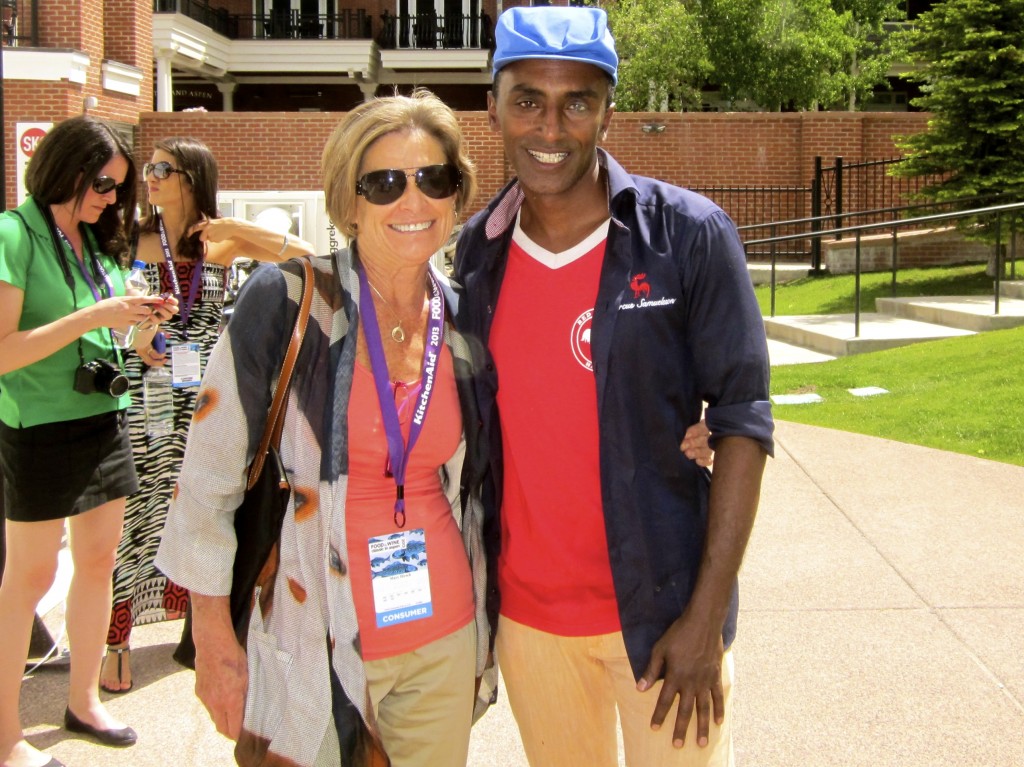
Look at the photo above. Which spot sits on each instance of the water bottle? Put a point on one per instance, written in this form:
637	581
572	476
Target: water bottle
158	395
137	283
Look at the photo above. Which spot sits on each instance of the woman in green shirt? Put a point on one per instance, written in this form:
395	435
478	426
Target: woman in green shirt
64	448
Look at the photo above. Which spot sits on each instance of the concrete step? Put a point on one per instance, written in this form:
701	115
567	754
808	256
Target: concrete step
761	274
1012	289
781	353
833	334
975	313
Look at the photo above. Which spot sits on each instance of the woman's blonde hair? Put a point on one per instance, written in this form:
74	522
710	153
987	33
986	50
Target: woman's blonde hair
343	153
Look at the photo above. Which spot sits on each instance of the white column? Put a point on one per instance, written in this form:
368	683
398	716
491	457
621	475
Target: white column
227	92
369	89
164	86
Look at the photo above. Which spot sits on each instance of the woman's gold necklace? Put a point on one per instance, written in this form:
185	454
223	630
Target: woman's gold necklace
397	334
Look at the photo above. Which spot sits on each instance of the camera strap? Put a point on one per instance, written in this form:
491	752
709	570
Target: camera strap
58	249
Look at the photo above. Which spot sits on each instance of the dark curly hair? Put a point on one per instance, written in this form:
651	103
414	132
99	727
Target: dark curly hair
67	160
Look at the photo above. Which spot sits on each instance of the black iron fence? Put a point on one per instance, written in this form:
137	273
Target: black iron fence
20	23
864	186
753	205
838	195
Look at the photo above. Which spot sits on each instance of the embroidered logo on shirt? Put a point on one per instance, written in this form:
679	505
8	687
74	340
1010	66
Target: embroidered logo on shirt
642	294
640	285
580	339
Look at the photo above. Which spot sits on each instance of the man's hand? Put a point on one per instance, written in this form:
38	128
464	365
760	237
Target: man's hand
692	663
689	654
222	675
695	444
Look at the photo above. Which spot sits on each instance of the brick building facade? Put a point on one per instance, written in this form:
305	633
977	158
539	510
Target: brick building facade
282	150
105	51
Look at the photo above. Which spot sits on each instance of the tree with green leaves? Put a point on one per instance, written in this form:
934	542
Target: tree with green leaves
777	53
664	61
971	67
873	49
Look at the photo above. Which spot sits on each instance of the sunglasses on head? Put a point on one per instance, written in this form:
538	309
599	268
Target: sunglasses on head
161	170
382	187
105	185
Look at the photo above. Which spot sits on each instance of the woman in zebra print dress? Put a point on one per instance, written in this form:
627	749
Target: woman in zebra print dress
188	250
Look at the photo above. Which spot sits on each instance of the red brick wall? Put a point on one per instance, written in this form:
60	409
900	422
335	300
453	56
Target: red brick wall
938	247
105	30
26	101
128	39
276	150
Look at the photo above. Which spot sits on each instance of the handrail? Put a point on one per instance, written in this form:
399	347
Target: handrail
861	213
889	224
894	225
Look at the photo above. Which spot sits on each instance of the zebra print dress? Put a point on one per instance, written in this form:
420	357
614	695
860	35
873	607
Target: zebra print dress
142	594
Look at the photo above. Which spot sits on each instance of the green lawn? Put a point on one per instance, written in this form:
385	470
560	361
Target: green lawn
965	395
835	295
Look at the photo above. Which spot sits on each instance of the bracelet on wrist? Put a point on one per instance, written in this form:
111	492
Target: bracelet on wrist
284	246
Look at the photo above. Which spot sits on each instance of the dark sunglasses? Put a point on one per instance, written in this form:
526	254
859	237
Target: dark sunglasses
105	185
161	170
383	187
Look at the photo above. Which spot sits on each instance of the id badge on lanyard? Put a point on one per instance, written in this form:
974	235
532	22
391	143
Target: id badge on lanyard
186	365
398	560
401	582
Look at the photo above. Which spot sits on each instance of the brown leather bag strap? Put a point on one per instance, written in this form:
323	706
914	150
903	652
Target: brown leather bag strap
275	418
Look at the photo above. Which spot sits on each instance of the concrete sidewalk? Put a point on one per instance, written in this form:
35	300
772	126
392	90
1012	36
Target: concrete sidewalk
882	616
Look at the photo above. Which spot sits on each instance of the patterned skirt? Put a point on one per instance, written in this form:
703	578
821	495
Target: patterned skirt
142	594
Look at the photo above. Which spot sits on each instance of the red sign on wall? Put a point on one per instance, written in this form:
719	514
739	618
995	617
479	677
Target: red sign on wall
28	140
27	136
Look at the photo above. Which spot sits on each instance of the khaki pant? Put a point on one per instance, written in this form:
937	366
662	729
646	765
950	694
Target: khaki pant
423	701
564	692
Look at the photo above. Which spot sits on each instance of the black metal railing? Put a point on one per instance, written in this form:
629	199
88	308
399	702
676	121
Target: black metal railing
217	19
20	23
431	30
750	205
868	189
421	30
1000	221
345	24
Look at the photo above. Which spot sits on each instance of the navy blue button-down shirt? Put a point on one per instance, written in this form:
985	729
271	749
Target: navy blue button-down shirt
676	324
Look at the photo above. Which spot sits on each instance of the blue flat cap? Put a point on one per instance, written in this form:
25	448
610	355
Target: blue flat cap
555	32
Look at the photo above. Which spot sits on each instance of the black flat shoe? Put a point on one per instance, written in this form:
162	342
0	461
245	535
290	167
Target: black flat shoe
124	737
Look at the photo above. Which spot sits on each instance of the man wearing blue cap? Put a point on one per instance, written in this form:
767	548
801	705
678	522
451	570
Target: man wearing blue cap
613	306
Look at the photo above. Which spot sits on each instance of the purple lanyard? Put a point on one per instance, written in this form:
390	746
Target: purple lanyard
85	272
398	450
184	306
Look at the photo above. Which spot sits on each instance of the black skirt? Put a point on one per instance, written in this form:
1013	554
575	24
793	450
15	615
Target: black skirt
57	470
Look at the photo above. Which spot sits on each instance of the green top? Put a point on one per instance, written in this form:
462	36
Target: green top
43	391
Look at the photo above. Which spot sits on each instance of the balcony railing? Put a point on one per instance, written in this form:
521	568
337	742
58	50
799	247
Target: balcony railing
20	23
217	19
425	30
429	30
346	24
